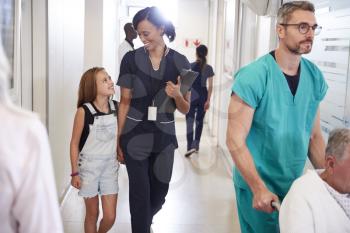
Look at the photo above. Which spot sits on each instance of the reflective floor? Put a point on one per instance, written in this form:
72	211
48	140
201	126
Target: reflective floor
201	197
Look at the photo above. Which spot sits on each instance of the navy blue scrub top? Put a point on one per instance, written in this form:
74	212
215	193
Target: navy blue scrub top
199	91
148	88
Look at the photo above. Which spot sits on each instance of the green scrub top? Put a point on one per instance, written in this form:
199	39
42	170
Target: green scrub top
280	132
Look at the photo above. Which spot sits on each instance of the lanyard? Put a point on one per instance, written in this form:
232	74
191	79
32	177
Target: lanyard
154	74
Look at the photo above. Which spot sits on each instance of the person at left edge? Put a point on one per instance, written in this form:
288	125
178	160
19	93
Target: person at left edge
146	134
28	195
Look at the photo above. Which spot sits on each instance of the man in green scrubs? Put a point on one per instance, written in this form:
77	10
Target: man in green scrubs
274	121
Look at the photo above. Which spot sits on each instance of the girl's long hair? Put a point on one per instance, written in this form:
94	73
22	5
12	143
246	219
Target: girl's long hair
87	87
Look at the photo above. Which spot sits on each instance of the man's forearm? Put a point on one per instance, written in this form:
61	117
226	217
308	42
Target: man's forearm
244	162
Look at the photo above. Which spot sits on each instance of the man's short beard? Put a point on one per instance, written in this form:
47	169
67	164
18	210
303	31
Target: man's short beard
296	50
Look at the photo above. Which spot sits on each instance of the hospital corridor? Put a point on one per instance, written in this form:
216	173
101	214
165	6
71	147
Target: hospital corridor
174	116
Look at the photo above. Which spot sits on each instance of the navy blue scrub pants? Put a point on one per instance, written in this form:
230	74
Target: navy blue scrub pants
195	117
149	177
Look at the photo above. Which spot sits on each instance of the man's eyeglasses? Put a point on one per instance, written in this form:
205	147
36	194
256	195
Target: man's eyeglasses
305	28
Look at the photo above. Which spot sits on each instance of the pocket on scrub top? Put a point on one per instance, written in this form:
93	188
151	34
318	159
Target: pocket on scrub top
130	124
105	133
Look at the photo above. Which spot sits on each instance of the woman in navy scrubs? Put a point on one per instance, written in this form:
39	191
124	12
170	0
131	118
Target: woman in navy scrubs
200	99
150	93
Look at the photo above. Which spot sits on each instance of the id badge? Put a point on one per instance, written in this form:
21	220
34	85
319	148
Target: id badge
152	113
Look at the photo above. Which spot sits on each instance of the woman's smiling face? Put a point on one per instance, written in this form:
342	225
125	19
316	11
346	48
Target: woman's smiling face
149	34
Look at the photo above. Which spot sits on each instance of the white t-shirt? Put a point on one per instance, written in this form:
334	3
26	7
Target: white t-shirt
28	198
124	47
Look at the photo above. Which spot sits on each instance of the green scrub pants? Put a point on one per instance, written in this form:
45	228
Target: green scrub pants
252	220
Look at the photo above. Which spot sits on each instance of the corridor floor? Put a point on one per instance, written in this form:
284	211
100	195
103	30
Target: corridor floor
200	200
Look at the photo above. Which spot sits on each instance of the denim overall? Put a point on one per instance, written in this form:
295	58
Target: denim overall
98	167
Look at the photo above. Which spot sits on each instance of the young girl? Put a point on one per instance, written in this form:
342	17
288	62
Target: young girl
93	149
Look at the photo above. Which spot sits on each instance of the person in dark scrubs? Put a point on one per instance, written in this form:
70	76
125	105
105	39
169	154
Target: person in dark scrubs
200	99
150	93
